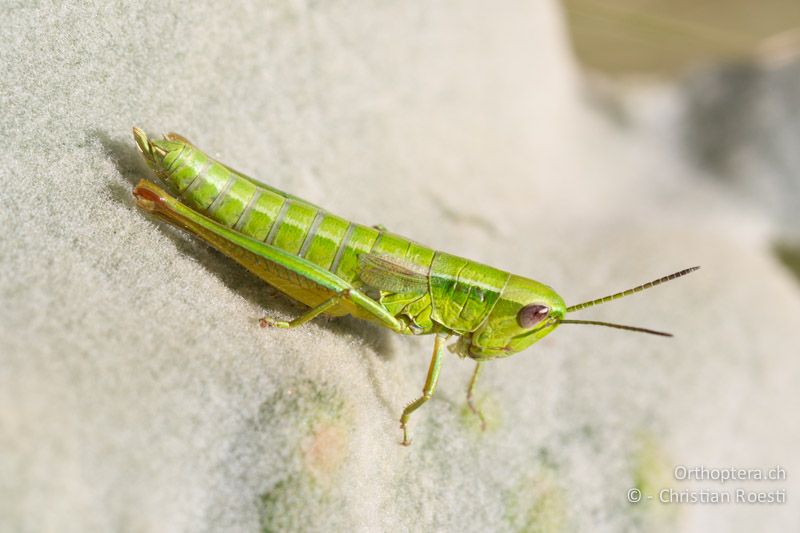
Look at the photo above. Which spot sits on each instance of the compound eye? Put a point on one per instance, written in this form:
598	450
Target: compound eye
530	315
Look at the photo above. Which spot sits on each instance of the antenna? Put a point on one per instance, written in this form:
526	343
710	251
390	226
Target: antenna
617	326
622	294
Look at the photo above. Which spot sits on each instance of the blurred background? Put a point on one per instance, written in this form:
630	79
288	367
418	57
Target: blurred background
668	39
736	65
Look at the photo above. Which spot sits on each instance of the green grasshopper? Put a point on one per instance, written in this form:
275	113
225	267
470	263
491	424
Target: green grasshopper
337	267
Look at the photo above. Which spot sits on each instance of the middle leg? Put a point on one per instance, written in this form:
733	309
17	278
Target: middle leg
428	389
309	315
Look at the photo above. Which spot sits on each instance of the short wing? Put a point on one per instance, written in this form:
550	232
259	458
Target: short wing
390	274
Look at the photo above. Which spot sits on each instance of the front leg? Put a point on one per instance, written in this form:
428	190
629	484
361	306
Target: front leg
427	390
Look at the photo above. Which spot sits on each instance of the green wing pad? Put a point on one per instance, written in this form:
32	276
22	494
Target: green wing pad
403	286
393	275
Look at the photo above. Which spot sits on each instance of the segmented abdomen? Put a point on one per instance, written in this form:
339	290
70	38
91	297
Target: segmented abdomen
281	220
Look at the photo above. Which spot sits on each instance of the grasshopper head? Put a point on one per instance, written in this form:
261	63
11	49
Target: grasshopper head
526	311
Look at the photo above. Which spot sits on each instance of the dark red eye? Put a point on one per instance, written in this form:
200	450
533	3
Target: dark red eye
530	315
